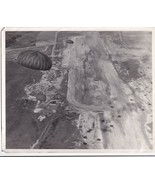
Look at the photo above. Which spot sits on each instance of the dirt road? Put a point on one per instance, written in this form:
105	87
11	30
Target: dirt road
95	86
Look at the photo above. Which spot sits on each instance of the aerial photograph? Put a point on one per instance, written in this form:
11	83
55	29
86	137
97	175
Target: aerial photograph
79	90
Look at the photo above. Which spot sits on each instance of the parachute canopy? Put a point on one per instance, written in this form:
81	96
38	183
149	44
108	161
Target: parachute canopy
34	60
69	42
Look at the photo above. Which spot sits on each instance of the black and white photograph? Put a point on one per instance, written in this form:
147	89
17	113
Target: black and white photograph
78	90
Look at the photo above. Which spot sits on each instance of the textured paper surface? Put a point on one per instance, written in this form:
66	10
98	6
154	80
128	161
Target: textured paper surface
103	82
